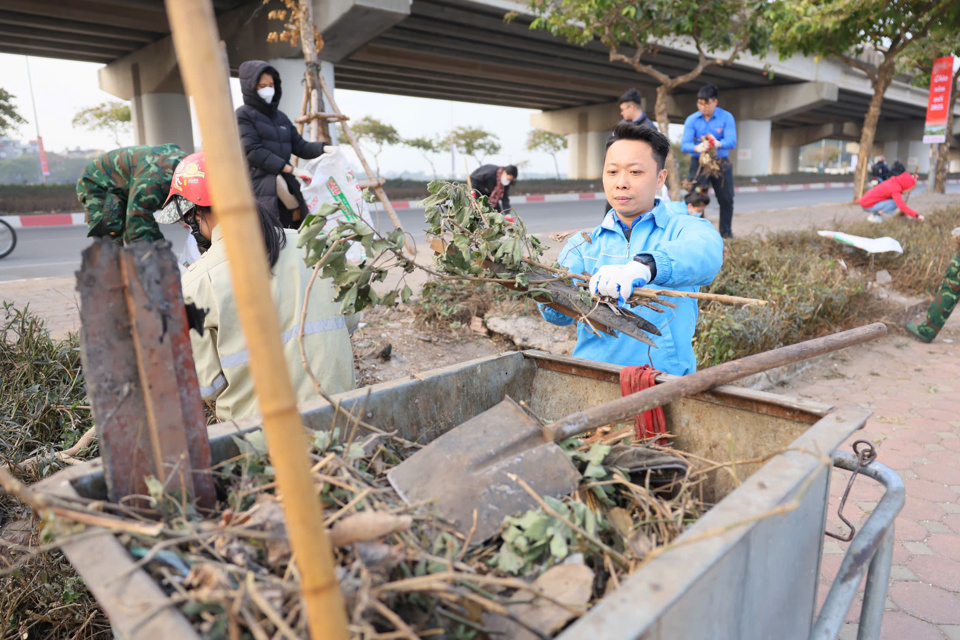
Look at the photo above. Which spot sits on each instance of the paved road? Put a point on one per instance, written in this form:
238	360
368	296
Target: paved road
55	251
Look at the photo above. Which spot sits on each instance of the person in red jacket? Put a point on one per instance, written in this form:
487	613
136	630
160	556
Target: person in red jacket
887	198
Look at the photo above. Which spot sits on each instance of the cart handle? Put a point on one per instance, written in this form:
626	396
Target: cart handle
873	544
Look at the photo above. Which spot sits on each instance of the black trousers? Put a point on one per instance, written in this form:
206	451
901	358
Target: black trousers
722	187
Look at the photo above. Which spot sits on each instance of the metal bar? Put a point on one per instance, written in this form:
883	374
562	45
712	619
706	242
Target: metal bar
875	594
864	547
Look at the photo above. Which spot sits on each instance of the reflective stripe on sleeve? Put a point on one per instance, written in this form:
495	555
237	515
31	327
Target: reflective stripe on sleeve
314	326
218	383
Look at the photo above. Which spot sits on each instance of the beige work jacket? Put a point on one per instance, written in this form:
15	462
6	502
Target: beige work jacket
221	355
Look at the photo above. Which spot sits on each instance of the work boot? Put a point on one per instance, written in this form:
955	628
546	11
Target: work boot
921	332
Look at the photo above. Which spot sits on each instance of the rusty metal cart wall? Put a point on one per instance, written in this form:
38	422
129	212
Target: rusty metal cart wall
739	572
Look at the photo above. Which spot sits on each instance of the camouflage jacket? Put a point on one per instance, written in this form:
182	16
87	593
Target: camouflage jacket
122	188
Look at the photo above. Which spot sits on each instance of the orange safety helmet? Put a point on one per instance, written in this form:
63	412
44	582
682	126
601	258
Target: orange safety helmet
190	180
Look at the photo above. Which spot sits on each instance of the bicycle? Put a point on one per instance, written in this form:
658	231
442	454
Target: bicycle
8	239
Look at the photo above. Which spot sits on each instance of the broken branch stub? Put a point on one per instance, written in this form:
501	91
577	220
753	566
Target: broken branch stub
139	370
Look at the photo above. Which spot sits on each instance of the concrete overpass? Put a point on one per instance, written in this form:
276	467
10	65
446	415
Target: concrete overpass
464	50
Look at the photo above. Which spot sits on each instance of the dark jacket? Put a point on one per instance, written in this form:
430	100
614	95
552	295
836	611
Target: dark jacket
269	138
484	181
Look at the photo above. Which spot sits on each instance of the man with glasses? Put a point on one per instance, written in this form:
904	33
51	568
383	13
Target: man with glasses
709	127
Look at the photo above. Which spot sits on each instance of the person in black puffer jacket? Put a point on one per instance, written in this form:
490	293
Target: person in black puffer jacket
269	138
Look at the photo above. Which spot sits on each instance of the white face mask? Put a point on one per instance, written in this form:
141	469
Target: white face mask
266	93
505	180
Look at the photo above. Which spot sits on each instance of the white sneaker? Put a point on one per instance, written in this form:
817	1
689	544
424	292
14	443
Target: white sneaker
873	217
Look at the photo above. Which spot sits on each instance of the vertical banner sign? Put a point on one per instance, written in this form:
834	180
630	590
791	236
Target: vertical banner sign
43	157
935	129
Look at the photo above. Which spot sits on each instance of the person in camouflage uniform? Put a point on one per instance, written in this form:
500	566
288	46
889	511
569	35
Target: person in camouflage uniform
944	302
120	190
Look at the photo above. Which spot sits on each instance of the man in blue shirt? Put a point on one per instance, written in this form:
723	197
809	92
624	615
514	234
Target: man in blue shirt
641	241
711	125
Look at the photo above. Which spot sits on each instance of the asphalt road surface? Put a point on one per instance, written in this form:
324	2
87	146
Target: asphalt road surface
54	252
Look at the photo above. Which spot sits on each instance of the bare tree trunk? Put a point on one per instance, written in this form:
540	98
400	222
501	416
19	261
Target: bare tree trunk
943	159
869	131
556	165
663	122
320	129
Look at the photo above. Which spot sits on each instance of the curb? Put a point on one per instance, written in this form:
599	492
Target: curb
77	219
46	220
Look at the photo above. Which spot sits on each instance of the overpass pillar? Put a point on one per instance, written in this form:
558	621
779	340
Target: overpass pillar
162	117
150	79
753	148
292	73
784	157
585	158
587	130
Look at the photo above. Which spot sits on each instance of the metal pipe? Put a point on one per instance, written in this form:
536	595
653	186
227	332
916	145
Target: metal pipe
869	545
875	593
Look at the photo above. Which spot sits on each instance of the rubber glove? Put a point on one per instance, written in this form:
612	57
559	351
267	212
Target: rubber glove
303	175
619	280
700	148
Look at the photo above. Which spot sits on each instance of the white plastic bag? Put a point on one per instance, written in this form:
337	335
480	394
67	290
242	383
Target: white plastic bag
334	182
190	252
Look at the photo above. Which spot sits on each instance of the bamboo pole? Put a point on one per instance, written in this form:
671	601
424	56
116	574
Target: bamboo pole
205	74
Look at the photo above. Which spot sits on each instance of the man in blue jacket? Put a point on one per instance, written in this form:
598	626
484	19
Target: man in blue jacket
641	241
712	126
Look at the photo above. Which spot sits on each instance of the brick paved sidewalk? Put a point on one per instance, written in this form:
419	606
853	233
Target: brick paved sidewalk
53	299
914	392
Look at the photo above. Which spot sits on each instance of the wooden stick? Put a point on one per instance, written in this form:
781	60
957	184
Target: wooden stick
696	295
366	167
194	30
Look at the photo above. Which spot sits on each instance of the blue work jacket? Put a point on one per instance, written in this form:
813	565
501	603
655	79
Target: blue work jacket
688	253
721	125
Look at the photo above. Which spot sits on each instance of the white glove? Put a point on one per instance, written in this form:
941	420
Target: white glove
619	280
719	144
330	148
303	175
700	148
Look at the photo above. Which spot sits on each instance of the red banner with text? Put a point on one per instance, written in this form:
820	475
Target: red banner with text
43	157
941	81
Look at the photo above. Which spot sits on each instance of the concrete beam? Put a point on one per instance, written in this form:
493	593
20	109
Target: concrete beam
597	117
348	25
800	136
440	63
780	101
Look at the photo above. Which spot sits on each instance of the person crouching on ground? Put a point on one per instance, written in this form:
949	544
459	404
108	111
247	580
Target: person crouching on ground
887	198
641	241
494	182
120	190
220	353
694	204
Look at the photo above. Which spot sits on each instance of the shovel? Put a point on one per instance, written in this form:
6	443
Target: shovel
467	468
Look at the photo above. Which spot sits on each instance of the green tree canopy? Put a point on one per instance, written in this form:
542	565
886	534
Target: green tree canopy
427	147
552	143
10	117
377	134
475	142
112	116
634	32
848	30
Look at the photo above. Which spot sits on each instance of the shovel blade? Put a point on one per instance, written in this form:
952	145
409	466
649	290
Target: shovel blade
467	469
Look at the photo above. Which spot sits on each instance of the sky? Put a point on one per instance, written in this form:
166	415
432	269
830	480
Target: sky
62	87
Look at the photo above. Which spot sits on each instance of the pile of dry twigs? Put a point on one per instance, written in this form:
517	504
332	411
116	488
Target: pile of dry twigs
403	571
